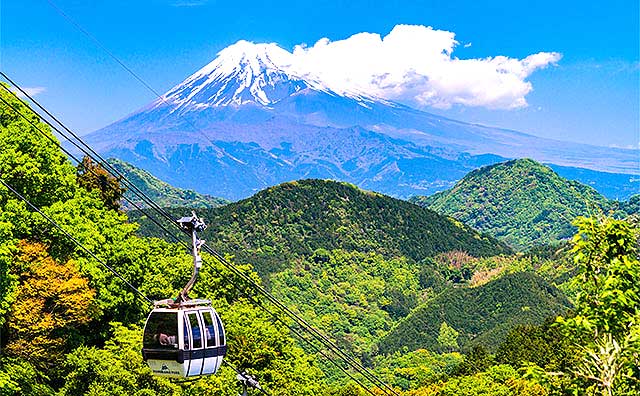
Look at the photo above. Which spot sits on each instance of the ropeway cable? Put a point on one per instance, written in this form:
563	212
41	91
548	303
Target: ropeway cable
133	287
221	258
235	285
81	246
75	241
327	342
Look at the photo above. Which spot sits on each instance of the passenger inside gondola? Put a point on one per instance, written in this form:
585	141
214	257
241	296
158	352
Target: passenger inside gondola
161	331
165	338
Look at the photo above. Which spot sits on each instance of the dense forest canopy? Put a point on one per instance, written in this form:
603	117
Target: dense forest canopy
292	220
363	268
522	203
68	325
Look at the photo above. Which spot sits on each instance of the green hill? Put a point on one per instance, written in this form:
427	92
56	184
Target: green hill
162	193
286	222
481	315
353	297
521	202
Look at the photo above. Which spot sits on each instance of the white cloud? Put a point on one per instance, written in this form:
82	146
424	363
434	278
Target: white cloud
414	65
31	91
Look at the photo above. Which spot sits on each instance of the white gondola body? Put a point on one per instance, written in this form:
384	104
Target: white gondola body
181	342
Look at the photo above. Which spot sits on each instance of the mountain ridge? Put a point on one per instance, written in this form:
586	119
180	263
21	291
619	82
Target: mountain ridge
251	98
163	194
522	202
294	219
483	314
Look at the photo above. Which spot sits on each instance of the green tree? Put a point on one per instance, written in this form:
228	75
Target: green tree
29	162
117	369
543	345
21	378
448	337
606	318
476	360
54	296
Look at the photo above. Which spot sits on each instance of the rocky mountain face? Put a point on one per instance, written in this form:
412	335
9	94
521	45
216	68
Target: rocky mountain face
249	120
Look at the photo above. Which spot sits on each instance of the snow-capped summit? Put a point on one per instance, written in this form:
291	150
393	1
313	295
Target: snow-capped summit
241	73
254	117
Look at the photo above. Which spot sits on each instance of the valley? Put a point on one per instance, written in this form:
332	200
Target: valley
354	245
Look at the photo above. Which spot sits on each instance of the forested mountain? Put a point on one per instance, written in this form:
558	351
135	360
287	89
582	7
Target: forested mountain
481	315
69	326
292	220
520	202
354	297
164	194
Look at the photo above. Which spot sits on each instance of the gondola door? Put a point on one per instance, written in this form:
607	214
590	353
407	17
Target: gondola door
215	346
193	326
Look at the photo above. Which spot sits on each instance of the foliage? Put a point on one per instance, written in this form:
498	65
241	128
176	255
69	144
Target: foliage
21	378
482	314
412	370
399	277
606	318
52	305
284	223
259	345
448	337
116	369
632	205
354	297
502	380
476	360
93	177
35	167
163	194
520	202
609	299
58	302
553	263
542	345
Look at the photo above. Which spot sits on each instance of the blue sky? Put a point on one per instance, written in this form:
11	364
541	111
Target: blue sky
591	95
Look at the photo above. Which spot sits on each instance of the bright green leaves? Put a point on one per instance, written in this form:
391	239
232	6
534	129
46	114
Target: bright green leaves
412	370
117	369
264	347
448	337
20	378
29	162
609	298
353	297
607	308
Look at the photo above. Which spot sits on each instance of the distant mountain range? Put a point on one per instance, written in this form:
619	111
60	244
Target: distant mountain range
521	202
247	121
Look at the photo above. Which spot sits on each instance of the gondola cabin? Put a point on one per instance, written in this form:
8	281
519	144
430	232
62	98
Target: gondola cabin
184	340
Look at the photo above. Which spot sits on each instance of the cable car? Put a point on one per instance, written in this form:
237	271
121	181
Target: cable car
183	337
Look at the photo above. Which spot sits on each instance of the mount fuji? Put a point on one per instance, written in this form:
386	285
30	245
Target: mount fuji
251	119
